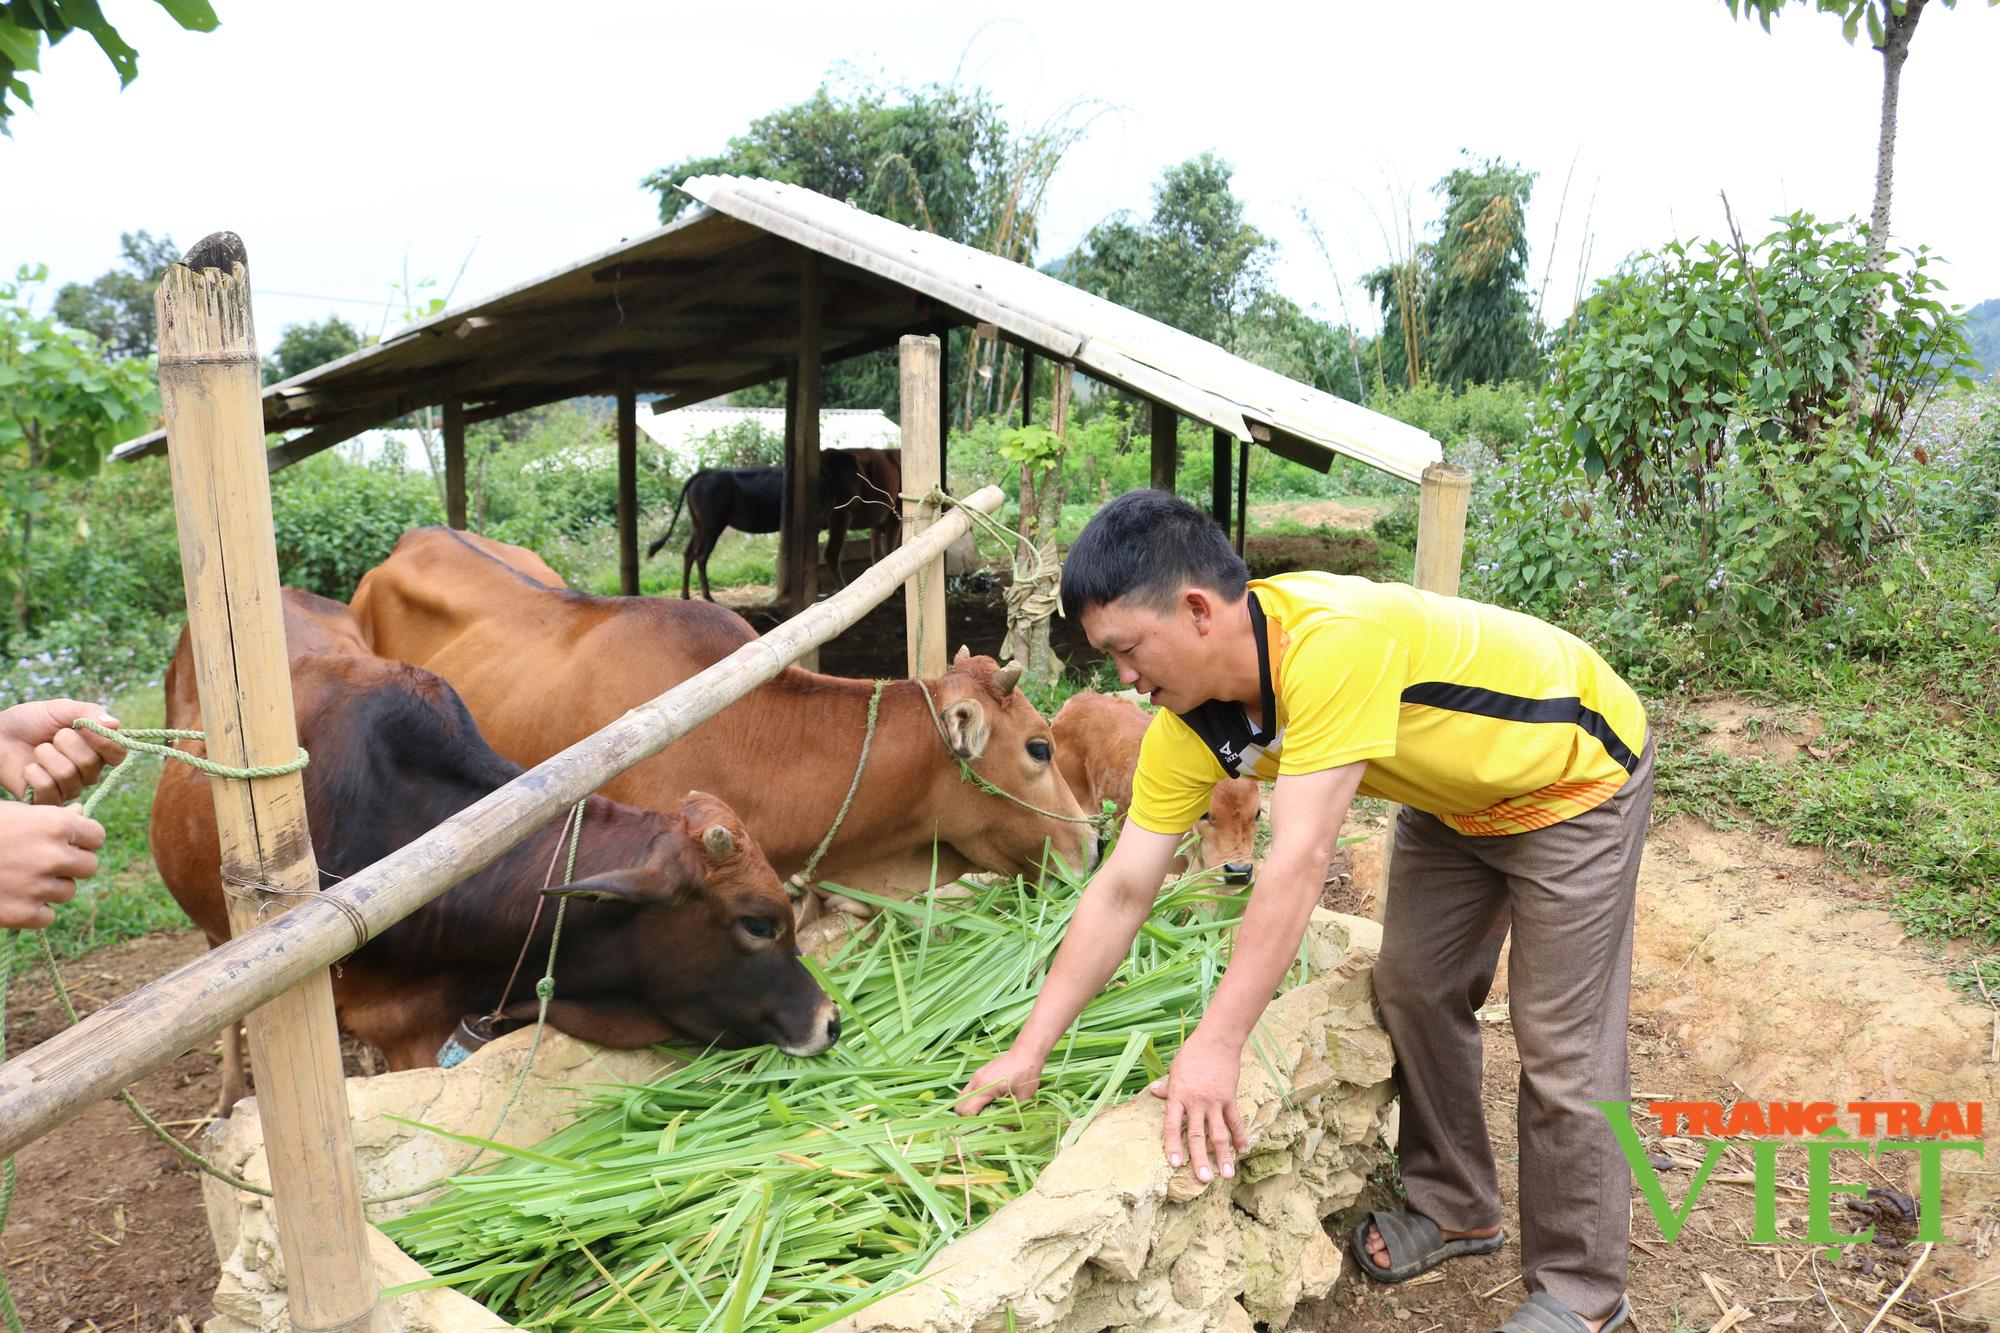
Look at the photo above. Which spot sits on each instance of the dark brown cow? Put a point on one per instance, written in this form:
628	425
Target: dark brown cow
1097	748
679	927
875	506
542	667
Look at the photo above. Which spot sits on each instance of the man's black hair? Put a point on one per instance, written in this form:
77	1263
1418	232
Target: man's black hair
1144	547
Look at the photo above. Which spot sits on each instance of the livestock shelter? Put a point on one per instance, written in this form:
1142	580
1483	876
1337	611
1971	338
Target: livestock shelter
769	280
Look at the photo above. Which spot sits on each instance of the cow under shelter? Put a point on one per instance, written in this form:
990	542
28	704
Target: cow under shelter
770	281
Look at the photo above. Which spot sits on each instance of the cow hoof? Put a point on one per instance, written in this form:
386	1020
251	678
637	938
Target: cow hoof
806	909
859	911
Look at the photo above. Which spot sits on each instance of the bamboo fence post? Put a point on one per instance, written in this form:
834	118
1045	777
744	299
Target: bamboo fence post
222	503
143	1030
1441	503
923	467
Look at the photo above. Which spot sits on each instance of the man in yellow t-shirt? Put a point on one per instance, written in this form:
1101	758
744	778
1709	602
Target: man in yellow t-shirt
1524	767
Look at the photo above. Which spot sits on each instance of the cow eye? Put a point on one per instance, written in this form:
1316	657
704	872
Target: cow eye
761	926
1040	751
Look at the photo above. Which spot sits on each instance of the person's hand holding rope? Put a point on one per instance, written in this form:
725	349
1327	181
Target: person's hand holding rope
45	847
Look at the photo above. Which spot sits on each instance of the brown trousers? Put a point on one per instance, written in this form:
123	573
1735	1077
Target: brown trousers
1568	890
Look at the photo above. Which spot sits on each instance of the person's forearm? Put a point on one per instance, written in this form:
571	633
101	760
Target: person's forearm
1267	944
1099	935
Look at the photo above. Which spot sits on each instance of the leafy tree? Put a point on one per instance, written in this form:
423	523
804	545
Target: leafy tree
63	404
1195	263
1891	26
117	309
25	24
1457	311
304	346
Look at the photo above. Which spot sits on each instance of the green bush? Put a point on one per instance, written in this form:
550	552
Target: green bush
336	520
1496	416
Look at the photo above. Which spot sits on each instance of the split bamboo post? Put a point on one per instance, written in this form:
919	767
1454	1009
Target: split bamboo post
143	1030
628	486
454	458
923	468
222	504
1444	493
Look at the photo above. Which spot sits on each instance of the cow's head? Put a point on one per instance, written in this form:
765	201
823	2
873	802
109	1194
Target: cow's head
712	948
989	723
1229	831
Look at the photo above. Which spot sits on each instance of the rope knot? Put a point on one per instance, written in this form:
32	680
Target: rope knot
545	987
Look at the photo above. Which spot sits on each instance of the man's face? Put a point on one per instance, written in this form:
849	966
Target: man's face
1159	655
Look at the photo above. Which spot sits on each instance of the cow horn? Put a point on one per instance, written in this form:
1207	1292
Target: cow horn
1007	677
964	653
715	840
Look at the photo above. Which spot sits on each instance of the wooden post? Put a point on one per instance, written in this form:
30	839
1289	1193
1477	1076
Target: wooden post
1221	450
923	467
1242	495
222	504
1166	447
1441	502
454	458
628	486
802	479
943	405
787	577
1027	385
47	1085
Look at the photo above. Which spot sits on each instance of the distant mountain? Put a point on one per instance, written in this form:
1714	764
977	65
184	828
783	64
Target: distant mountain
1982	325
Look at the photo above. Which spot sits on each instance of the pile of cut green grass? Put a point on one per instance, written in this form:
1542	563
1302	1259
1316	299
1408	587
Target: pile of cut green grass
756	1190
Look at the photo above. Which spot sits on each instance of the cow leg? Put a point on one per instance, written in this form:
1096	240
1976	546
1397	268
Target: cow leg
836	537
687	563
234	1085
708	544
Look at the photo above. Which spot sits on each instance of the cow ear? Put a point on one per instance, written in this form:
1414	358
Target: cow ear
966	726
717	842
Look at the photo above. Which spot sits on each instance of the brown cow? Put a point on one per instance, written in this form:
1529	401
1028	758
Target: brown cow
1097	748
541	668
679	925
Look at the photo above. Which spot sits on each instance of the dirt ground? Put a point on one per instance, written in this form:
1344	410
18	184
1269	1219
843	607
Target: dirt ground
107	1226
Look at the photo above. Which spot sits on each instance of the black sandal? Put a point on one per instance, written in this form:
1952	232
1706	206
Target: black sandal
1543	1313
1415	1245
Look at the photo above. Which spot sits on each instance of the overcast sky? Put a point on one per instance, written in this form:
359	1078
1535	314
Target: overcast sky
347	141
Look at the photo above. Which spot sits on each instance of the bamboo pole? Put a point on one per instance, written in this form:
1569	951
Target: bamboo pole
141	1031
1444	493
222	504
923	468
628	486
1242	495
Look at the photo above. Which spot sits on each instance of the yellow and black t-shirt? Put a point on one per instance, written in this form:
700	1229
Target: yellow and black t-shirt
1494	721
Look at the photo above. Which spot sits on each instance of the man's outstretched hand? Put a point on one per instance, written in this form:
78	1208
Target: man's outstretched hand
1015	1073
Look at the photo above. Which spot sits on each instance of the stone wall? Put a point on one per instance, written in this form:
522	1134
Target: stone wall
1108	1238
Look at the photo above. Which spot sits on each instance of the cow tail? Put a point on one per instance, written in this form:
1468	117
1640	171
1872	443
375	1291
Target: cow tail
654	549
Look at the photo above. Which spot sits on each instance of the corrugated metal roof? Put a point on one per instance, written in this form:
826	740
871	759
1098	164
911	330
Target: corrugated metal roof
710	303
1195	377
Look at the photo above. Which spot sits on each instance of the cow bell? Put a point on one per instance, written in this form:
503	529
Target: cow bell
475	1031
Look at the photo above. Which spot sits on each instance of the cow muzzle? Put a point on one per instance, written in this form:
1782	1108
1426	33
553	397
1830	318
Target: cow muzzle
1237	872
823	1030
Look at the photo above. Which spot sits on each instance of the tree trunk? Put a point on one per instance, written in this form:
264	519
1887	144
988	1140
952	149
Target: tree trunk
1897	29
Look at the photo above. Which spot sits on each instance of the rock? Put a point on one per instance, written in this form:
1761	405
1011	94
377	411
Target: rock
1319	1267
